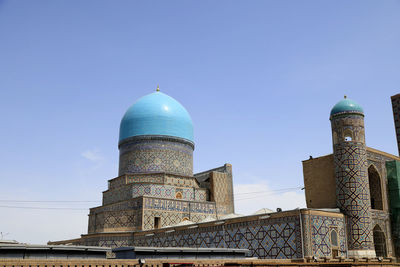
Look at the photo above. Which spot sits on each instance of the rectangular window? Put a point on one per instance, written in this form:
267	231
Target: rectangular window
157	222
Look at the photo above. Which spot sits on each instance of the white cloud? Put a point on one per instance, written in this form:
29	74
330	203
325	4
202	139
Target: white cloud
251	197
93	155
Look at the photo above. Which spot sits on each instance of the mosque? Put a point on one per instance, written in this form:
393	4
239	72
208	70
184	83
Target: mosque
352	195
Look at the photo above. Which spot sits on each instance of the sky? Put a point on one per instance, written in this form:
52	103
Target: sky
259	79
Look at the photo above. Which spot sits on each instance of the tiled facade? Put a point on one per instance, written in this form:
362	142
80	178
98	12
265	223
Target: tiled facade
352	184
156	188
146	154
277	236
317	236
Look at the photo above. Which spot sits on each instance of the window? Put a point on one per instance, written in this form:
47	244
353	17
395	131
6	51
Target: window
334	238
334	243
379	242
348	135
375	189
157	222
178	195
347	138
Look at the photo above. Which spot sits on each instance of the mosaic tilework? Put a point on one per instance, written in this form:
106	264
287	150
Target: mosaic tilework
115	221
117	182
379	162
153	178
112	241
117	194
317	231
352	185
182	182
115	217
348	125
160	191
382	218
131	204
169	218
274	238
145	156
145	178
352	189
179	206
222	192
165	191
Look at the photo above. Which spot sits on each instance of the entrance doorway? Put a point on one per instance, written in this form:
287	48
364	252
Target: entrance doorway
379	242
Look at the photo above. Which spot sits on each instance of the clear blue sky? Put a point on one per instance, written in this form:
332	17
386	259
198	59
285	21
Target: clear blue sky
258	77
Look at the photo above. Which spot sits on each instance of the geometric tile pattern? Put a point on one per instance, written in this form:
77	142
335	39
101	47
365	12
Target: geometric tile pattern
116	195
166	191
163	178
169	218
352	191
179	206
222	189
382	219
126	214
145	178
173	212
274	238
352	183
108	241
144	156
317	231
153	190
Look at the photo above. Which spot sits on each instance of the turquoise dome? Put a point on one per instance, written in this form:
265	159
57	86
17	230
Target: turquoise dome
156	114
346	105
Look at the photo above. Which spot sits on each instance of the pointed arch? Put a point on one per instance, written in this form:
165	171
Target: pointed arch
379	241
348	135
375	188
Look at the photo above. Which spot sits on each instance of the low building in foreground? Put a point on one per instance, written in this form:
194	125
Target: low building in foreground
15	250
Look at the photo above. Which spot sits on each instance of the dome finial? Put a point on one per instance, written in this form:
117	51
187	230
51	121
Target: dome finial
345	96
158	88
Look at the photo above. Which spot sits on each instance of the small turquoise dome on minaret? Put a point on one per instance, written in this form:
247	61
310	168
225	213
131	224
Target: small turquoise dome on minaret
156	114
346	105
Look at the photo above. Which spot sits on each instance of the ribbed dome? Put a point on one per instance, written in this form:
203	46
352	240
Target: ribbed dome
346	105
156	114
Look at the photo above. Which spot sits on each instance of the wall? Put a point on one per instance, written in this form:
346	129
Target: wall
121	216
172	212
277	238
219	182
150	154
319	182
317	228
273	236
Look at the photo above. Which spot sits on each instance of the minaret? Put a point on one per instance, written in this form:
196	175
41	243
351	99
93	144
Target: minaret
351	170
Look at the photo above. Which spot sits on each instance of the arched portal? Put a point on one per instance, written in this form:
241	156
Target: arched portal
375	188
379	242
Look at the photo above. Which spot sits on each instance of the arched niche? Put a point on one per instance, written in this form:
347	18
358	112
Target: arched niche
379	242
348	135
178	195
375	188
